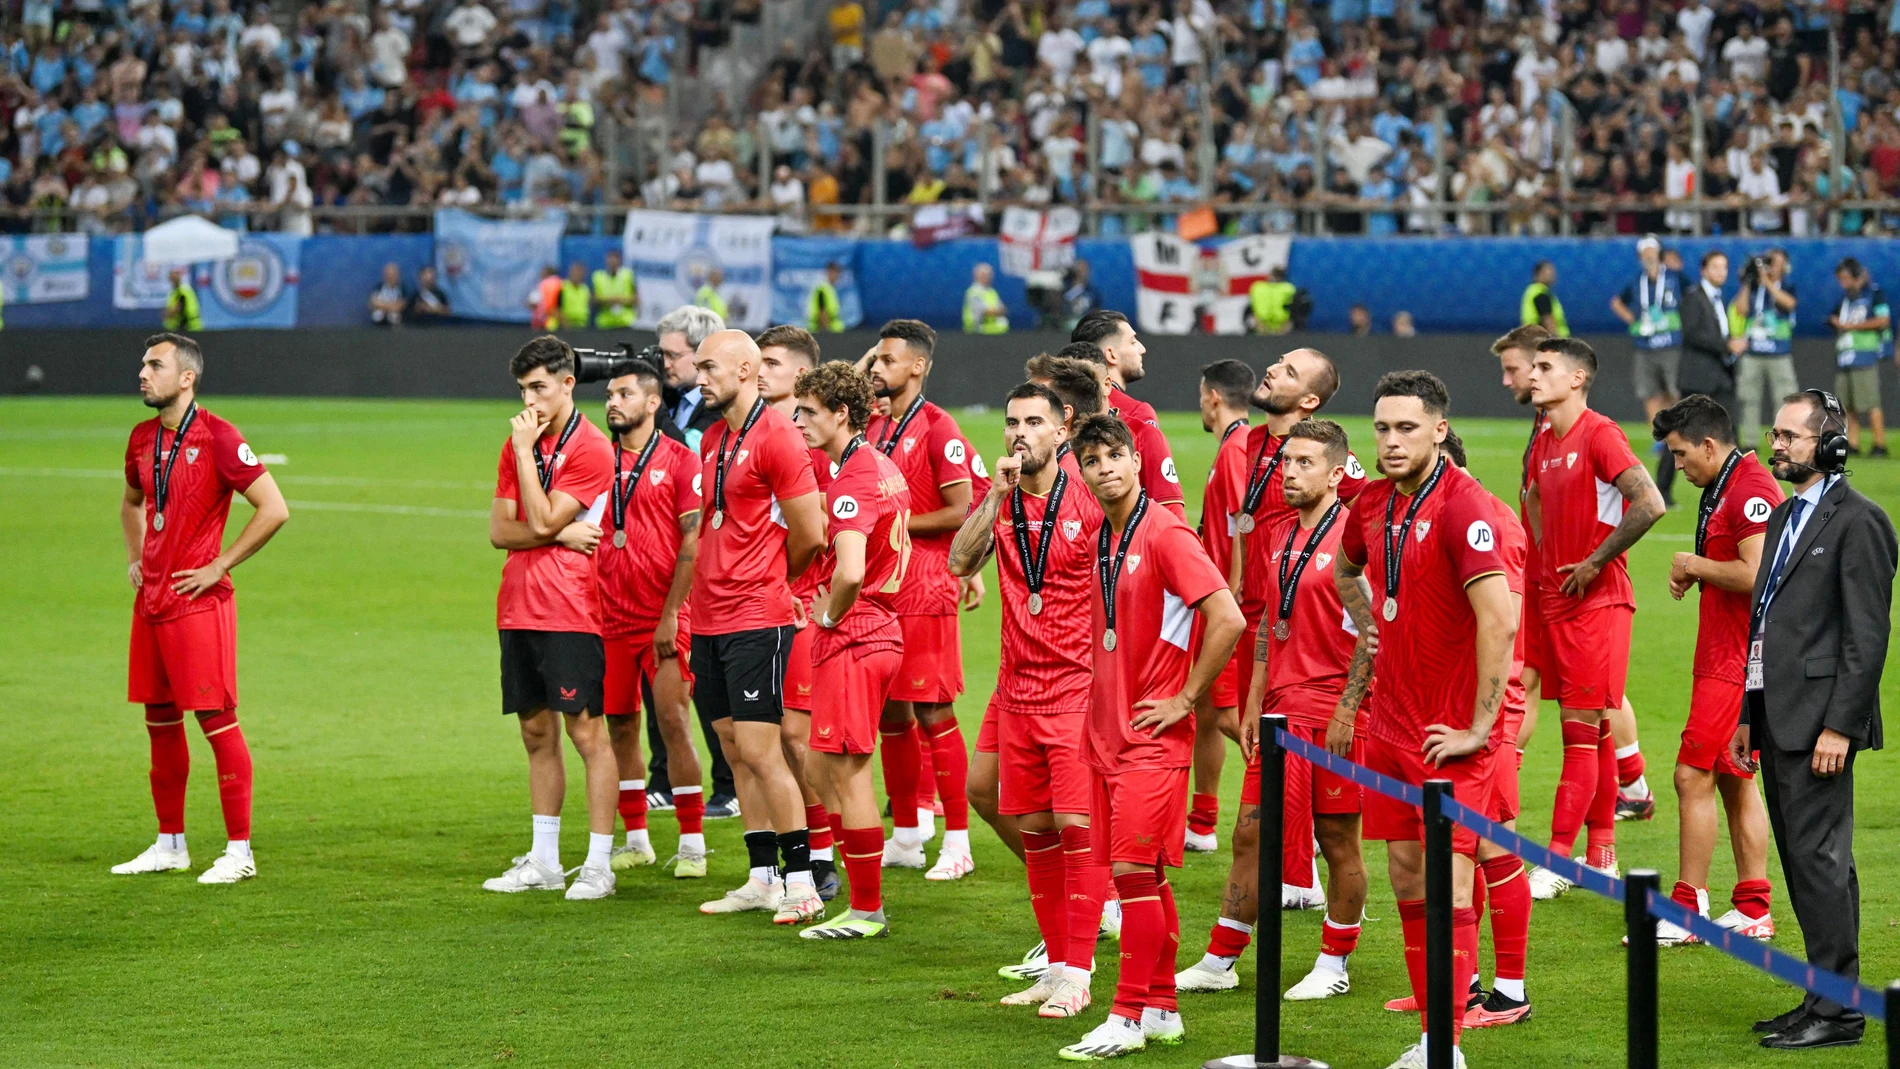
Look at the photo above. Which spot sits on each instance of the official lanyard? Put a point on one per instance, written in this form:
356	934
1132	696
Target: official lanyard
162	477
1773	586
1111	567
1645	297
1035	565
887	445
1537	425
725	457
624	487
1290	586
1395	549
544	466
1231	428
1712	500
1257	485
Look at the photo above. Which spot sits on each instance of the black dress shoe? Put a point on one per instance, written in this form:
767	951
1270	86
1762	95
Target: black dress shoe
1777	1024
1811	1032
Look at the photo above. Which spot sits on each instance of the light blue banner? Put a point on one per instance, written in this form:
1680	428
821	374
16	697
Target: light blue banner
46	268
257	288
798	264
489	268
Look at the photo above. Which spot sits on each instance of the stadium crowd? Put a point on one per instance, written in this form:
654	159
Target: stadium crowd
114	112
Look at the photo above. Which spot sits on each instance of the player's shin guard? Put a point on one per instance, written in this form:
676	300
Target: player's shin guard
864	867
795	847
1602	818
1338	940
1048	891
926	774
1508	887
1464	961
171	766
1752	897
633	804
689	806
1204	813
951	765
1629	764
1412	928
1161	985
234	772
1144	930
1087	884
818	822
1229	938
1576	785
898	752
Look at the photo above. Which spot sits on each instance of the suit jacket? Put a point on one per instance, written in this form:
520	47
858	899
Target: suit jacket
696	424
1707	367
1824	638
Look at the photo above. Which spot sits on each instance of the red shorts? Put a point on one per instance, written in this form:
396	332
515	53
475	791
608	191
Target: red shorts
798	670
1138	816
933	661
1391	820
1504	799
1328	795
189	661
1041	762
1715	707
1536	646
632	661
1587	658
986	734
1230	686
855	686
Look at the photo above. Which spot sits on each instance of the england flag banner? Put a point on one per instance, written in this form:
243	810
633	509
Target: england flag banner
1243	262
674	253
1038	240
1164	282
43	269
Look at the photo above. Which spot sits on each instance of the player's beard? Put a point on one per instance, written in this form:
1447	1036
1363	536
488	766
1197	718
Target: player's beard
1523	396
880	389
1303	501
159	401
1131	375
1034	461
620	427
1271	405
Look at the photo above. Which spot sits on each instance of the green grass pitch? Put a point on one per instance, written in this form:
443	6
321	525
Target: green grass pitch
388	787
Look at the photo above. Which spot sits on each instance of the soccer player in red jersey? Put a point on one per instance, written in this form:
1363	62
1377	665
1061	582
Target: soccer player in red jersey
1225	387
859	645
555	467
1589	500
646	542
1108	338
1737	496
765	528
944	478
1301	655
183	655
1516	351
1420	570
1044	521
1152	577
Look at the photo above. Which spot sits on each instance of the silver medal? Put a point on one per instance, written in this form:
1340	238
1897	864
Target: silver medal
1245	525
620	539
1281	630
158	521
719	519
1035	605
1391	608
1108	640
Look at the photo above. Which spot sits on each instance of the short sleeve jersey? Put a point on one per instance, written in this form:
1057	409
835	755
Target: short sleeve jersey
1220	500
1271	513
213	463
635	578
932	454
1721	644
805	587
1159	479
1531	566
739	581
1514	546
552	588
1306	671
1579	505
1046	663
1165	574
1426	669
868	496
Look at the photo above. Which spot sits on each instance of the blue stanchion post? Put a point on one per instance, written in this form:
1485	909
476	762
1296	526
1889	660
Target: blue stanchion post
1641	984
1438	950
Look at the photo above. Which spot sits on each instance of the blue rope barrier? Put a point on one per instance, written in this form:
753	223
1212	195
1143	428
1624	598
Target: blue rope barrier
1748	951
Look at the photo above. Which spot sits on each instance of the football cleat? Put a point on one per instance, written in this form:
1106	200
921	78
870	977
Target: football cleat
721	806
899	856
1318	984
154	859
1033	996
1643	808
800	903
1292	897
1762	927
688	866
1163	1027
826	875
230	868
1066	999
630	857
660	801
1032	968
1111	1039
527	874
594	881
1414	1058
1202	844
1201	976
1408	1004
1497	1011
953	863
1111	926
845	926
750	896
1546	885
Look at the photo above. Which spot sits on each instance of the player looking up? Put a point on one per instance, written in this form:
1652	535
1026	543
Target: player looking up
1108	338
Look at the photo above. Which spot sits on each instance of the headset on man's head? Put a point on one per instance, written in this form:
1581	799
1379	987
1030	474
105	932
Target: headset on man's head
1830	447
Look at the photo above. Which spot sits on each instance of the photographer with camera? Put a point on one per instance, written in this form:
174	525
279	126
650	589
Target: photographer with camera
1764	308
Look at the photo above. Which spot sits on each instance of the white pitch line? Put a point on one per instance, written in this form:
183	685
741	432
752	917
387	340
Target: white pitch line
293	480
388	510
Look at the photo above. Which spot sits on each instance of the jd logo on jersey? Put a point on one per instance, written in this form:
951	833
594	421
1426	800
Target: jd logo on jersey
1757	510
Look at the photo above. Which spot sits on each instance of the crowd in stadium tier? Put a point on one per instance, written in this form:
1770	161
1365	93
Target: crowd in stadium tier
114	111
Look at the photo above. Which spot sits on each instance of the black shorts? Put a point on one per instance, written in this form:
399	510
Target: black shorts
741	676
558	670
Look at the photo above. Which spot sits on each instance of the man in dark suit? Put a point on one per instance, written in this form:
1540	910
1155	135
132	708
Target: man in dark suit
1817	643
1708	351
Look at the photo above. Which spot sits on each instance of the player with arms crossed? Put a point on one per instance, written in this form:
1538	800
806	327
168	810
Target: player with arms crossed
1419	569
1301	655
1588	502
554	466
858	649
1737	496
1045	521
1108	338
1151	577
183	655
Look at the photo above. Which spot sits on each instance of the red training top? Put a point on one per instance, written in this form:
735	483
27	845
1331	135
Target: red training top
932	453
552	588
1271	513
634	579
213	463
1158	475
1220	500
739	581
1306	672
1046	664
868	496
1721	641
1578	506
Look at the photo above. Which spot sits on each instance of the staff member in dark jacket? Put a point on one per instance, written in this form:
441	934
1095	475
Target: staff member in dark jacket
1708	352
1817	643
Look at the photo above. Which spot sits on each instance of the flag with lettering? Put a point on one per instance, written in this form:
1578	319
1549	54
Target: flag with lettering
1164	282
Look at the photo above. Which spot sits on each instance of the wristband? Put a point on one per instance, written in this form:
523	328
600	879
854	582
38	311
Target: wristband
824	619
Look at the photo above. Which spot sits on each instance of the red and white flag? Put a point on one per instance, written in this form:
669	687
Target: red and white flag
1038	240
1164	282
1243	262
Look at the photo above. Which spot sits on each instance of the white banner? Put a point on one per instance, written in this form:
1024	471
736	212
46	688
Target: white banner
137	283
1038	240
1243	262
1164	282
44	268
673	253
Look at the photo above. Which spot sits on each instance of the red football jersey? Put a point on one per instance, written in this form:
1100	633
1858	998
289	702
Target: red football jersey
868	495
1046	663
551	588
1306	672
932	453
1514	546
1158	475
819	570
739	581
1579	505
635	578
1165	574
1721	641
1426	669
1220	500
1271	513
213	463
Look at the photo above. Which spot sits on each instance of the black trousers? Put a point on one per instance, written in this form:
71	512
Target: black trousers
656	752
1813	820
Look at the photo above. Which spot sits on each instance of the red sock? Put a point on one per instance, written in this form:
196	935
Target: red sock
1048	891
1576	786
864	867
835	821
1751	897
1684	895
234	772
899	753
1602	819
926	771
1204	814
1412	928
1228	942
1144	928
952	765
1086	884
1508	887
1464	961
1337	939
1161	984
633	805
818	822
1628	768
689	806
171	766
1477	892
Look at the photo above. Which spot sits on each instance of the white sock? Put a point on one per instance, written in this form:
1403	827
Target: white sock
957	838
908	836
633	785
1055	971
1228	922
638	837
1150	1015
1079	975
799	879
692	842
926	822
677	791
167	841
599	847
823	853
1638	788
547	842
1511	989
1625	751
238	848
1217	962
765	874
1334	962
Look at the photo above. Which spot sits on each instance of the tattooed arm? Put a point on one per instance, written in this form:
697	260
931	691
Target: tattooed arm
1491	604
1642	507
976	539
1356	593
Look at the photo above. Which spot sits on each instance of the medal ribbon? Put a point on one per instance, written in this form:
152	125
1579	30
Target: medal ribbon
1035	565
1111	568
1395	549
162	477
887	445
622	500
1257	485
544	466
1231	428
1291	586
725	455
1712	500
